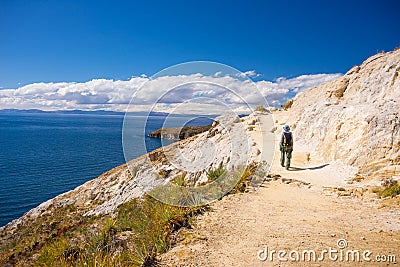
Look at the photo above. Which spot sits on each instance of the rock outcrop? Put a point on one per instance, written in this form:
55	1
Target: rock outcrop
355	118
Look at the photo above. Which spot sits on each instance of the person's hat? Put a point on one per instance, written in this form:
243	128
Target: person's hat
286	128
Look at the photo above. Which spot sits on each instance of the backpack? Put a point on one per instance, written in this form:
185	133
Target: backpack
287	139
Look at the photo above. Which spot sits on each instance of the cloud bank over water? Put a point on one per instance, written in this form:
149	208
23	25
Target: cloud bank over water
115	95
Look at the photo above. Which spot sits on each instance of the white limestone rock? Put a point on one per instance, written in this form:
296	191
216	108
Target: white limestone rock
355	118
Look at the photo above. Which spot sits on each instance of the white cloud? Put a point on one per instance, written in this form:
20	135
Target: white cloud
249	73
218	74
168	91
304	82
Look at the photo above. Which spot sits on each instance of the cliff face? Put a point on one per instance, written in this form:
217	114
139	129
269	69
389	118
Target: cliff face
354	119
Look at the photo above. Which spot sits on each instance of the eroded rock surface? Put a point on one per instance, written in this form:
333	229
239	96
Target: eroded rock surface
354	119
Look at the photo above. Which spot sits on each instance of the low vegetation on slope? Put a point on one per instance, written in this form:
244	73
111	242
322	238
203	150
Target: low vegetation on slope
389	188
132	236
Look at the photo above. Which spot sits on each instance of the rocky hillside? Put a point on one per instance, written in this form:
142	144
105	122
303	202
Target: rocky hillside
354	119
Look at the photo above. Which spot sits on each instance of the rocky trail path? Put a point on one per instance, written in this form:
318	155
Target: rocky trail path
297	210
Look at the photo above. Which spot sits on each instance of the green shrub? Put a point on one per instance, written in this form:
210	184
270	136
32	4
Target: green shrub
180	180
245	178
214	174
390	188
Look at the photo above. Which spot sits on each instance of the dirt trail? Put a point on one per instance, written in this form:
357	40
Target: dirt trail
284	215
304	167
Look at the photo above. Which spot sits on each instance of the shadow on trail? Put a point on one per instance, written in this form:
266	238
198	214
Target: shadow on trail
311	168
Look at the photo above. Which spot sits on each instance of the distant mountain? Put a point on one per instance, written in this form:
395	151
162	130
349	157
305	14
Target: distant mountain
76	111
102	112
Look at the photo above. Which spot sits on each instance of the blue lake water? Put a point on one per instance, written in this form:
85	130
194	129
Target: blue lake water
45	154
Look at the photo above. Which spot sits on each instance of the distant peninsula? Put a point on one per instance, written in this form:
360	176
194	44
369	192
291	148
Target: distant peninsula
179	133
74	111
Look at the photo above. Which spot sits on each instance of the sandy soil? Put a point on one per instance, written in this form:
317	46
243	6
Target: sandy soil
284	214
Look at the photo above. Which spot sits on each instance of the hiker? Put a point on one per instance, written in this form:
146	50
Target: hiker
286	146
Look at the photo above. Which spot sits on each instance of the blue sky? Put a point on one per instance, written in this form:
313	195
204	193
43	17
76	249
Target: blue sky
54	41
93	55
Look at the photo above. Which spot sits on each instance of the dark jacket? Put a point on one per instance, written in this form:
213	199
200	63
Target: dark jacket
286	140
